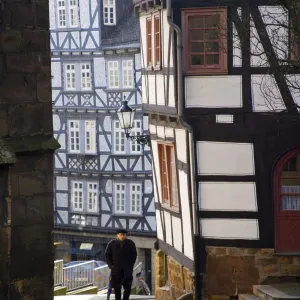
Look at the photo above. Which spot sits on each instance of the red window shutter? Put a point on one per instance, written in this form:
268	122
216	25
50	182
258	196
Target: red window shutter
157	42
149	41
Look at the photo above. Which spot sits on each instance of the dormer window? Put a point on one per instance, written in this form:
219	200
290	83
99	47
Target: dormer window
109	12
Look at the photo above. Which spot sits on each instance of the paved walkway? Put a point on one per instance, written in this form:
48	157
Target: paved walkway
100	297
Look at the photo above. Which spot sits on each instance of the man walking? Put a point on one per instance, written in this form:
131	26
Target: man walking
120	255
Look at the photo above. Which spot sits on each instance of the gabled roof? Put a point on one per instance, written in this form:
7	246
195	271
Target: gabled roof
125	35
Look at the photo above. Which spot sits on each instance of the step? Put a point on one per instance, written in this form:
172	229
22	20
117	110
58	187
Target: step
277	291
60	290
90	290
248	297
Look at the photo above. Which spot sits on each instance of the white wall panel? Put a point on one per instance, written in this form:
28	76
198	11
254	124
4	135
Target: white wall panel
143	42
56	122
185	212
237	51
293	82
160	131
165	40
56	74
151	85
230	229
265	94
227	196
201	91
99	71
156	172
224	118
218	158
52	22
168	228
181	146
177	233
85	13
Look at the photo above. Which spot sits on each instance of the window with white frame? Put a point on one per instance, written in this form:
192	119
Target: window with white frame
74	136
127	69
113	74
92	193
85	76
136	130
70	77
78	220
67	12
120	195
78	76
82	136
109	12
119	138
90	137
77	196
135	198
61	12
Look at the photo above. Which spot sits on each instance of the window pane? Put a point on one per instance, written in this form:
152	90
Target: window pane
212	21
196	22
212	47
211	34
197	47
212	59
197	60
197	35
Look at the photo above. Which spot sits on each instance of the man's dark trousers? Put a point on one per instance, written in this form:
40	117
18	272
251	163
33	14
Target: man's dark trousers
122	279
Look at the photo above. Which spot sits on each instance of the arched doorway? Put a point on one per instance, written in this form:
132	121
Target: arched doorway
287	203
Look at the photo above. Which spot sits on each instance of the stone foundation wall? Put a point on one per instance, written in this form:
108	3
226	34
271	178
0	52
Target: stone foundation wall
180	279
232	271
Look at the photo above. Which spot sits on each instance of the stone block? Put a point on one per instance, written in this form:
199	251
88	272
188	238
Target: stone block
44	93
18	14
11	40
236	251
47	118
3	123
210	250
220	250
35	40
26	119
42	14
285	260
32	184
270	269
23	63
264	261
293	270
252	251
266	252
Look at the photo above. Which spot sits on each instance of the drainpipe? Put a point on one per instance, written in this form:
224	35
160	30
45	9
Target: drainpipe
192	187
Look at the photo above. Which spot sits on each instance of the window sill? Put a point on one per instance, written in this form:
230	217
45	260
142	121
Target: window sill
165	288
286	254
119	90
204	72
78	92
171	208
67	28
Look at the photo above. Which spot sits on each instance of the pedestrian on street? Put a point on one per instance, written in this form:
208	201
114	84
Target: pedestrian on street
120	255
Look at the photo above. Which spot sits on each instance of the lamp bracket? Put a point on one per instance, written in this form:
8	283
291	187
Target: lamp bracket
140	139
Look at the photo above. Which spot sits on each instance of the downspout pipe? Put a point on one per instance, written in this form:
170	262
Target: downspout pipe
192	161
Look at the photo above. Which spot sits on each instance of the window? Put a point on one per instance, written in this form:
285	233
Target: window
82	136
109	12
295	33
205	46
85	77
153	41
287	203
119	140
127	74
78	77
70	77
113	73
78	220
77	196
136	130
120	193
92	197
135	198
167	163
67	12
74	136
90	135
85	196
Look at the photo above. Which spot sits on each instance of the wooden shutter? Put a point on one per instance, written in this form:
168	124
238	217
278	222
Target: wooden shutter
149	41
157	42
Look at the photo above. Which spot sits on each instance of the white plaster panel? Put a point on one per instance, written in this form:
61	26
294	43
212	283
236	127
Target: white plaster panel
151	85
56	122
99	71
201	91
186	212
75	35
52	15
177	233
160	90
227	196
143	35
165	40
61	38
152	222
294	86
245	229
95	35
145	95
181	141
148	166
169	132
151	207
124	162
104	204
104	219
63	158
96	25
123	223
160	131
148	186
117	165
107	123
62	200
224	118
218	158
132	223
56	74
62	140
61	183
108	186
103	144
171	90
168	227
152	129
57	163
64	216
265	94
139	165
137	60
56	98
84	14
237	51
145	122
156	172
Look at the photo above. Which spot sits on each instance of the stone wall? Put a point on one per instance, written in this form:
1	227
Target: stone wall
232	271
180	279
26	197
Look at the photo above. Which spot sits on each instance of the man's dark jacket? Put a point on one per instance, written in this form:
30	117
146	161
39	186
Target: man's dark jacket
121	256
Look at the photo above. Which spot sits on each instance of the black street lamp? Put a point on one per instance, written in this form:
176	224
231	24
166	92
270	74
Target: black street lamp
126	117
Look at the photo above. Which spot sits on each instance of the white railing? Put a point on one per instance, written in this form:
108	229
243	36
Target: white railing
58	273
79	276
102	277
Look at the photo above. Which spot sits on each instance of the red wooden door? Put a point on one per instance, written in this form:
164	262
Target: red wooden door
287	203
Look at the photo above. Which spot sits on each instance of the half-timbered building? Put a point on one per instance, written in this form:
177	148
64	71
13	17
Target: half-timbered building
221	89
102	181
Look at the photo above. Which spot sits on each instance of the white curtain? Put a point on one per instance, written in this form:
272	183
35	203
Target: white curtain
290	202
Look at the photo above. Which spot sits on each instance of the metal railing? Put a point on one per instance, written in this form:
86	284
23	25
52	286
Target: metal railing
102	277
136	270
79	276
58	273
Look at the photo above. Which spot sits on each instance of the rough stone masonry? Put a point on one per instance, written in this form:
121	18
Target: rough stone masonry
26	152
